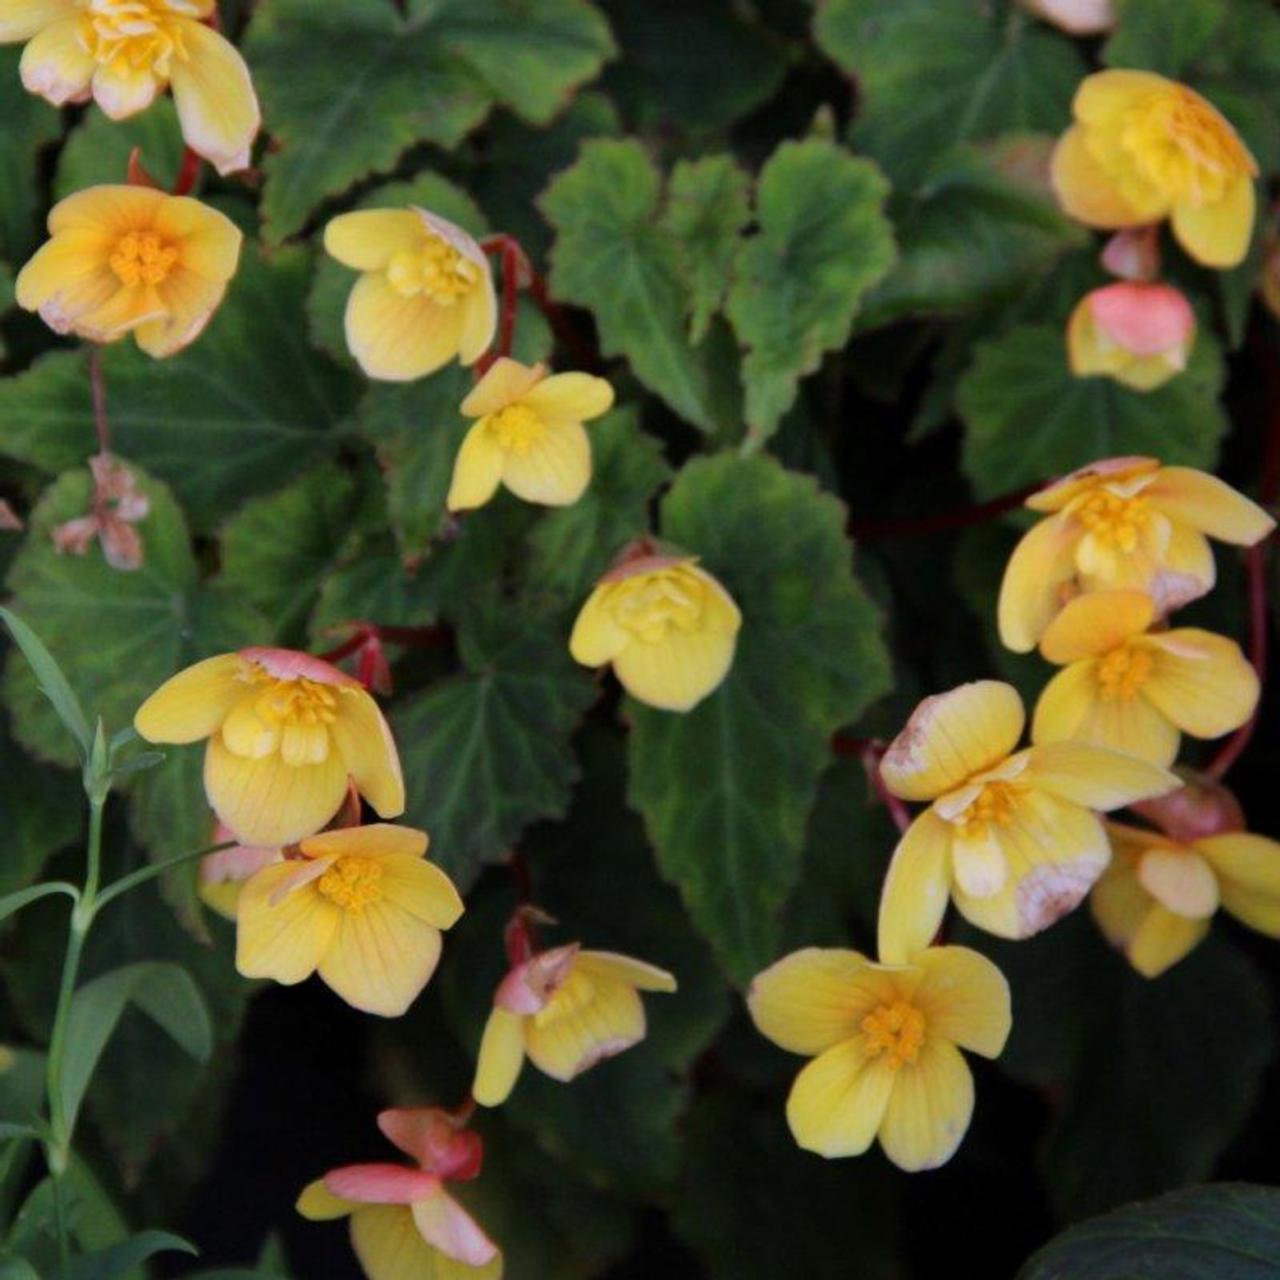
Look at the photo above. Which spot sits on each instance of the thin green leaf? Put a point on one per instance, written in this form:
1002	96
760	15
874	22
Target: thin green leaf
53	684
16	901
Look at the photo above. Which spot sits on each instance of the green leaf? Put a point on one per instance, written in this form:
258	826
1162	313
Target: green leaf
50	679
350	85
574	545
708	205
726	789
110	1264
166	993
1029	418
248	406
12	902
98	149
614	256
823	241
1227	1231
931	75
29	124
487	753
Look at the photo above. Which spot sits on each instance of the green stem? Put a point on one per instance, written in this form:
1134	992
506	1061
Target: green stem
143	874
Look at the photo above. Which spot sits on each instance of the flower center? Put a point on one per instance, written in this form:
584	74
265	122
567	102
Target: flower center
650	604
435	269
1123	671
1114	520
352	883
518	428
1184	147
994	804
299	701
574	994
136	35
895	1031
142	257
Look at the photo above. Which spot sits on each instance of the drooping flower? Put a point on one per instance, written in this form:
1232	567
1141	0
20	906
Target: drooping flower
129	259
566	1009
667	626
1075	17
1139	334
286	733
528	435
1010	835
1121	523
223	874
425	294
404	1223
119	506
883	1039
1156	900
1144	148
361	906
1134	690
122	53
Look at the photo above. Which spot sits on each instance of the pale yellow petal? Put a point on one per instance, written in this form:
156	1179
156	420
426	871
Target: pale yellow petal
951	736
55	64
503	383
916	888
477	470
380	958
373	840
397	338
267	802
1127	726
1095	623
190	299
1031	590
1186	570
813	999
76	254
1162	939
1248	870
584	1026
1181	880
214	95
625	969
678	671
1204	502
422	889
570	397
1202	682
1217	234
555	469
122	89
838	1100
207	239
478	325
1066	703
127	308
22	19
929	1109
964	998
500	1059
318	1204
193	704
364	742
596	638
390	1247
368	239
282	937
1118	902
1096	777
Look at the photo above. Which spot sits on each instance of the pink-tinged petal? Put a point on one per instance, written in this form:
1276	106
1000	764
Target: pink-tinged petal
1055	496
432	1137
214	95
443	1222
1133	254
289	664
390	1247
1146	319
122	90
528	987
55	65
381	1184
237	863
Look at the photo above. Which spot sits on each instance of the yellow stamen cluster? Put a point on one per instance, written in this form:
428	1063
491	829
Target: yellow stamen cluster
517	428
995	803
1183	147
652	603
295	702
435	269
352	883
134	35
1115	520
142	257
895	1032
1123	671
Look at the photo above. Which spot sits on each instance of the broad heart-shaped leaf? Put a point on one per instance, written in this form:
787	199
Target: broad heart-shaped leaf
1156	1077
1227	1231
29	123
614	256
246	407
823	241
98	149
931	75
726	789
487	753
348	86
973	234
166	993
145	625
120	1259
1028	418
573	546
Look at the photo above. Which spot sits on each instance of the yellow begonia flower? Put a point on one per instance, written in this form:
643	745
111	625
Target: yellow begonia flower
404	1223
124	52
1011	836
1145	148
667	626
127	259
286	732
1158	896
360	906
529	435
1137	692
425	294
883	1041
1121	523
1139	334
566	1009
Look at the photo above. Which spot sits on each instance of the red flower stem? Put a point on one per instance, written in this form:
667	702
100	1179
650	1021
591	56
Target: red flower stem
406	637
98	389
959	518
188	173
513	260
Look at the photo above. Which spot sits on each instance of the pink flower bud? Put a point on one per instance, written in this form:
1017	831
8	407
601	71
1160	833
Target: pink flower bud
1134	254
1141	335
1200	808
1076	17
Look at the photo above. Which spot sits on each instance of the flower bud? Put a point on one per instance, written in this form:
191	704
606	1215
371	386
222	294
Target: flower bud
1141	335
1200	808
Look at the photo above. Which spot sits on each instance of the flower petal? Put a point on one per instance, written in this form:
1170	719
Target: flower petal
190	300
1181	880
282	938
814	999
596	637
503	383
443	1222
373	840
1031	590
570	397
397	338
1095	623
381	958
1066	703
839	1099
914	898
422	889
364	742
500	1060
929	1109
1202	682
208	240
580	1028
678	671
22	19
1248	870
193	704
1094	777
380	1184
268	802
1086	191
1204	502
618	968
951	736
318	1204
55	65
964	998
1217	234
213	92
122	89
477	470
556	469
390	1247
369	238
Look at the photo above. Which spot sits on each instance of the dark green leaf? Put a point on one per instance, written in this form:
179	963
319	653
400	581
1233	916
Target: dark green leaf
29	124
112	1263
98	149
